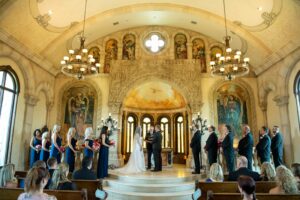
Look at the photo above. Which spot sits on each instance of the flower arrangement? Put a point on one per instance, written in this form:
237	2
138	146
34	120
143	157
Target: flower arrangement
62	149
96	145
112	142
38	147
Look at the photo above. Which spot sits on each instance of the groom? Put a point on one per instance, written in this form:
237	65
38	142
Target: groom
156	147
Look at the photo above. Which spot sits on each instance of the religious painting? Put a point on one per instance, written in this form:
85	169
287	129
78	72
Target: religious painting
180	45
129	47
79	108
213	51
95	52
232	107
199	53
111	53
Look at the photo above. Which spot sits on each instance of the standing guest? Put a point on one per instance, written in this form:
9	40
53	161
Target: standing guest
264	145
85	173
35	146
60	179
7	176
88	149
156	146
267	172
56	143
52	166
71	149
102	168
277	146
35	182
242	169
215	173
246	187
45	146
212	145
227	146
286	182
39	163
196	147
148	140
245	147
296	171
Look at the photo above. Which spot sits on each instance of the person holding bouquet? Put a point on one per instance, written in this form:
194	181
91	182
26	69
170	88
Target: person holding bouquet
35	146
71	148
88	149
56	148
45	146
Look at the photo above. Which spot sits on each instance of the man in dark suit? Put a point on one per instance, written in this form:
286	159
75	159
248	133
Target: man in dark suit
196	147
242	164
85	173
263	146
156	147
227	146
277	147
148	140
211	146
245	147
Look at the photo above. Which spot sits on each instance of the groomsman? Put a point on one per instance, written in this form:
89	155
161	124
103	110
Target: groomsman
277	147
156	147
211	146
227	146
148	140
264	145
196	147
245	147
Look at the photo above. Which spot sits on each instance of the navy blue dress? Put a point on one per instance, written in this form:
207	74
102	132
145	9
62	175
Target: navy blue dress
87	152
34	156
45	154
102	168
70	156
54	151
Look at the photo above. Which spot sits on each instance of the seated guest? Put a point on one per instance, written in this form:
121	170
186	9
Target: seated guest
286	182
60	179
35	182
215	173
85	173
7	178
267	172
246	186
52	165
296	171
39	163
242	164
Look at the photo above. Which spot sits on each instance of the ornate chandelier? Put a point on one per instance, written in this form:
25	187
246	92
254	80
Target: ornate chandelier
79	63
232	64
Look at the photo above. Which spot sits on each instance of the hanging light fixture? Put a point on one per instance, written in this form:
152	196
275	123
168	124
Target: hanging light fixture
232	63
79	63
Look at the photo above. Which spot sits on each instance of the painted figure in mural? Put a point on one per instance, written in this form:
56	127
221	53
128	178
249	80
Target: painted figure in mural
129	47
234	113
111	53
95	52
199	53
180	46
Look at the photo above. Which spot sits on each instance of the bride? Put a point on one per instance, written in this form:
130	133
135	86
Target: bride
136	162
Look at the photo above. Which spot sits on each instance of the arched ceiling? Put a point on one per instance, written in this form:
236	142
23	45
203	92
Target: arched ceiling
270	33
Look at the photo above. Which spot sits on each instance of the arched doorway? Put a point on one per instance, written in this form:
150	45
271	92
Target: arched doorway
153	103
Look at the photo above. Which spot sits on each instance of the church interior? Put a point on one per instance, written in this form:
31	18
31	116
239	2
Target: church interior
172	63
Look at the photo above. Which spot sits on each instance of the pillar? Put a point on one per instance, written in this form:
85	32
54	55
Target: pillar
189	50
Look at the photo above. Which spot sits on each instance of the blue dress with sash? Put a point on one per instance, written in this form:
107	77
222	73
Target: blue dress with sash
54	151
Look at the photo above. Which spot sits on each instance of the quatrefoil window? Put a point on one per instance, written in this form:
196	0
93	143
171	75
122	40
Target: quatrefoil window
154	42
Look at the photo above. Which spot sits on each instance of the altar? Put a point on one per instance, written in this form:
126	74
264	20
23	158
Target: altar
166	155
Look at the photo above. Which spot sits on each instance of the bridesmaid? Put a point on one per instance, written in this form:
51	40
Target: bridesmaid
45	147
102	168
71	149
56	143
35	152
88	149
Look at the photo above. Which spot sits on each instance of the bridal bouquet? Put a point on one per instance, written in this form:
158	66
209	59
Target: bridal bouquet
38	147
96	145
112	142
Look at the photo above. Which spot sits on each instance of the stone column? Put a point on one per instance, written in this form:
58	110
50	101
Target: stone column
102	60
120	51
190	160
30	102
189	50
49	106
263	106
282	102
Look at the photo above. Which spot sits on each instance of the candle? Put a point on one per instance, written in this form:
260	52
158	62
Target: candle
109	114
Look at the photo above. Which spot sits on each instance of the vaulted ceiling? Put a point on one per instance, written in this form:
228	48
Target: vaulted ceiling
268	30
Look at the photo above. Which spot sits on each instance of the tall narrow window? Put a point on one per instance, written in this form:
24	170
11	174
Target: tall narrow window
165	130
146	123
130	133
180	134
8	97
297	94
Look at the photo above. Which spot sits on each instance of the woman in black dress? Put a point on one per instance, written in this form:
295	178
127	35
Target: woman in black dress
102	168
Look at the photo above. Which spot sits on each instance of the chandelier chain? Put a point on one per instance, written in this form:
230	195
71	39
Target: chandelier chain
225	19
84	17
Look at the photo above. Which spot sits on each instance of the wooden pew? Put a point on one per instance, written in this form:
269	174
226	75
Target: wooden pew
259	196
90	185
13	194
21	174
231	187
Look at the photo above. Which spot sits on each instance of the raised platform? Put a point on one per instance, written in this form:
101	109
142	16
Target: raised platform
176	183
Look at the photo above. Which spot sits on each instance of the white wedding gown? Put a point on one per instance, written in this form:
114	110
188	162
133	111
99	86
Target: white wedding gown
136	162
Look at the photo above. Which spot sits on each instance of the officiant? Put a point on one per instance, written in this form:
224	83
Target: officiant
196	147
148	140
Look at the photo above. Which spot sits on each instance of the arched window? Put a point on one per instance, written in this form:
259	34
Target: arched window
165	131
146	123
8	97
180	134
297	94
131	122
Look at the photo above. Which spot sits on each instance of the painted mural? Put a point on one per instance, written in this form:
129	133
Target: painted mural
213	51
232	107
154	95
95	52
199	53
111	53
180	45
129	47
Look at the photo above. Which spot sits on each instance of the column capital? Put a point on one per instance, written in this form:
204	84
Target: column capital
281	100
49	104
31	99
263	105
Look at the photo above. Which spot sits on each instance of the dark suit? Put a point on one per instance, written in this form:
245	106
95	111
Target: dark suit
84	174
246	148
212	148
228	151
196	148
277	149
149	147
156	147
263	149
233	176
